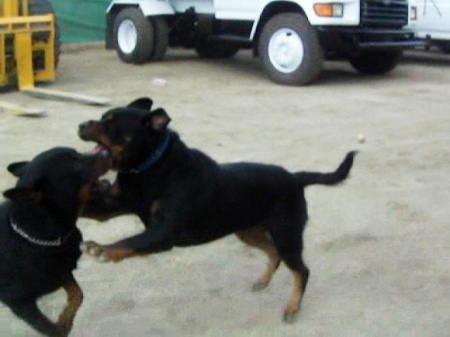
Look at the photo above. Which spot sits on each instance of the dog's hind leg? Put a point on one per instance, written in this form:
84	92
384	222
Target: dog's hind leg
301	275
290	250
258	237
29	312
287	236
74	300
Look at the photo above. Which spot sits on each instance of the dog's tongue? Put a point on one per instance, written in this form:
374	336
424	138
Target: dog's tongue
98	149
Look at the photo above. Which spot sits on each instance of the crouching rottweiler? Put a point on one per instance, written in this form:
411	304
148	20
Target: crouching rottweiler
39	240
185	198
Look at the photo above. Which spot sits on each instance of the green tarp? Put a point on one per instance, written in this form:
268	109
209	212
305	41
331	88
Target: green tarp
81	20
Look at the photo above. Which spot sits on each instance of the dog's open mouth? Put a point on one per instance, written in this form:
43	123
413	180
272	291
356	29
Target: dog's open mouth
100	149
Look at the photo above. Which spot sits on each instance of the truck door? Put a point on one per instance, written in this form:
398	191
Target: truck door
200	6
238	9
433	17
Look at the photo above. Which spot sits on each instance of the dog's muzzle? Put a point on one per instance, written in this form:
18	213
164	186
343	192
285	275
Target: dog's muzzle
85	130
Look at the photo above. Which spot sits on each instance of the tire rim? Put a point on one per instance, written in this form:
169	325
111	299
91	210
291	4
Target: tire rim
286	50
127	36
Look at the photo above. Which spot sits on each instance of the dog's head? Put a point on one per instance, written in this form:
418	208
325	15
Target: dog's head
59	178
127	134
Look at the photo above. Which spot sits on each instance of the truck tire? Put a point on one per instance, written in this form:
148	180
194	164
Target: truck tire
134	36
208	50
161	38
290	50
42	7
376	62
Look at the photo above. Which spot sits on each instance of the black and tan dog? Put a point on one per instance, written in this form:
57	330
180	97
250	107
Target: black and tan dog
39	240
184	198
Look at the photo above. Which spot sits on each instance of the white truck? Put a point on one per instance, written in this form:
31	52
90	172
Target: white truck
291	37
430	20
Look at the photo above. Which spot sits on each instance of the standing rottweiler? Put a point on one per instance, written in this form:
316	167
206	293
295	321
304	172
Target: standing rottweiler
39	240
185	198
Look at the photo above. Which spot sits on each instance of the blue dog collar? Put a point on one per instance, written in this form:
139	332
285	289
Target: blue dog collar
155	156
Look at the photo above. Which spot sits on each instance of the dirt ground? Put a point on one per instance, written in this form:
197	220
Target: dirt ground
377	246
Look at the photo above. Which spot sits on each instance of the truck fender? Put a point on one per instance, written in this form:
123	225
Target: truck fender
351	18
148	7
266	8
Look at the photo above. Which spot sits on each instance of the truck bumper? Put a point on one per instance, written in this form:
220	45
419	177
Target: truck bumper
346	40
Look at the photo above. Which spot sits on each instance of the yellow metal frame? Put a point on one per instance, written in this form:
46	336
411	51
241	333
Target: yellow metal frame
17	26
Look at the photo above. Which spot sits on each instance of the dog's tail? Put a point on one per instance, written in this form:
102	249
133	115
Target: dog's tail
311	178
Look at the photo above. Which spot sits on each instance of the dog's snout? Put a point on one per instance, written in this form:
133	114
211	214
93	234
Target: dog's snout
84	129
85	126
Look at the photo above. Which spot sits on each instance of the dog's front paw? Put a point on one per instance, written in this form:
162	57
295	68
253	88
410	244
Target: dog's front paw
110	253
96	250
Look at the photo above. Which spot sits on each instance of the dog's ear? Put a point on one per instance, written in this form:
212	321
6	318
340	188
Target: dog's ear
21	193
157	120
143	103
18	169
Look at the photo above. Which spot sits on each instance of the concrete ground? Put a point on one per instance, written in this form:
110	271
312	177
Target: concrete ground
377	246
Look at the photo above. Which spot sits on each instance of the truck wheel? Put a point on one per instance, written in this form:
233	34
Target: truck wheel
289	49
161	38
376	62
42	7
134	36
210	50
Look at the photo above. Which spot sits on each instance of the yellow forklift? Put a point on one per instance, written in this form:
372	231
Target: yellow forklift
29	48
29	53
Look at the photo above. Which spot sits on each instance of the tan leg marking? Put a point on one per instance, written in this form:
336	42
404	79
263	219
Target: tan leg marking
74	300
154	206
259	238
295	300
